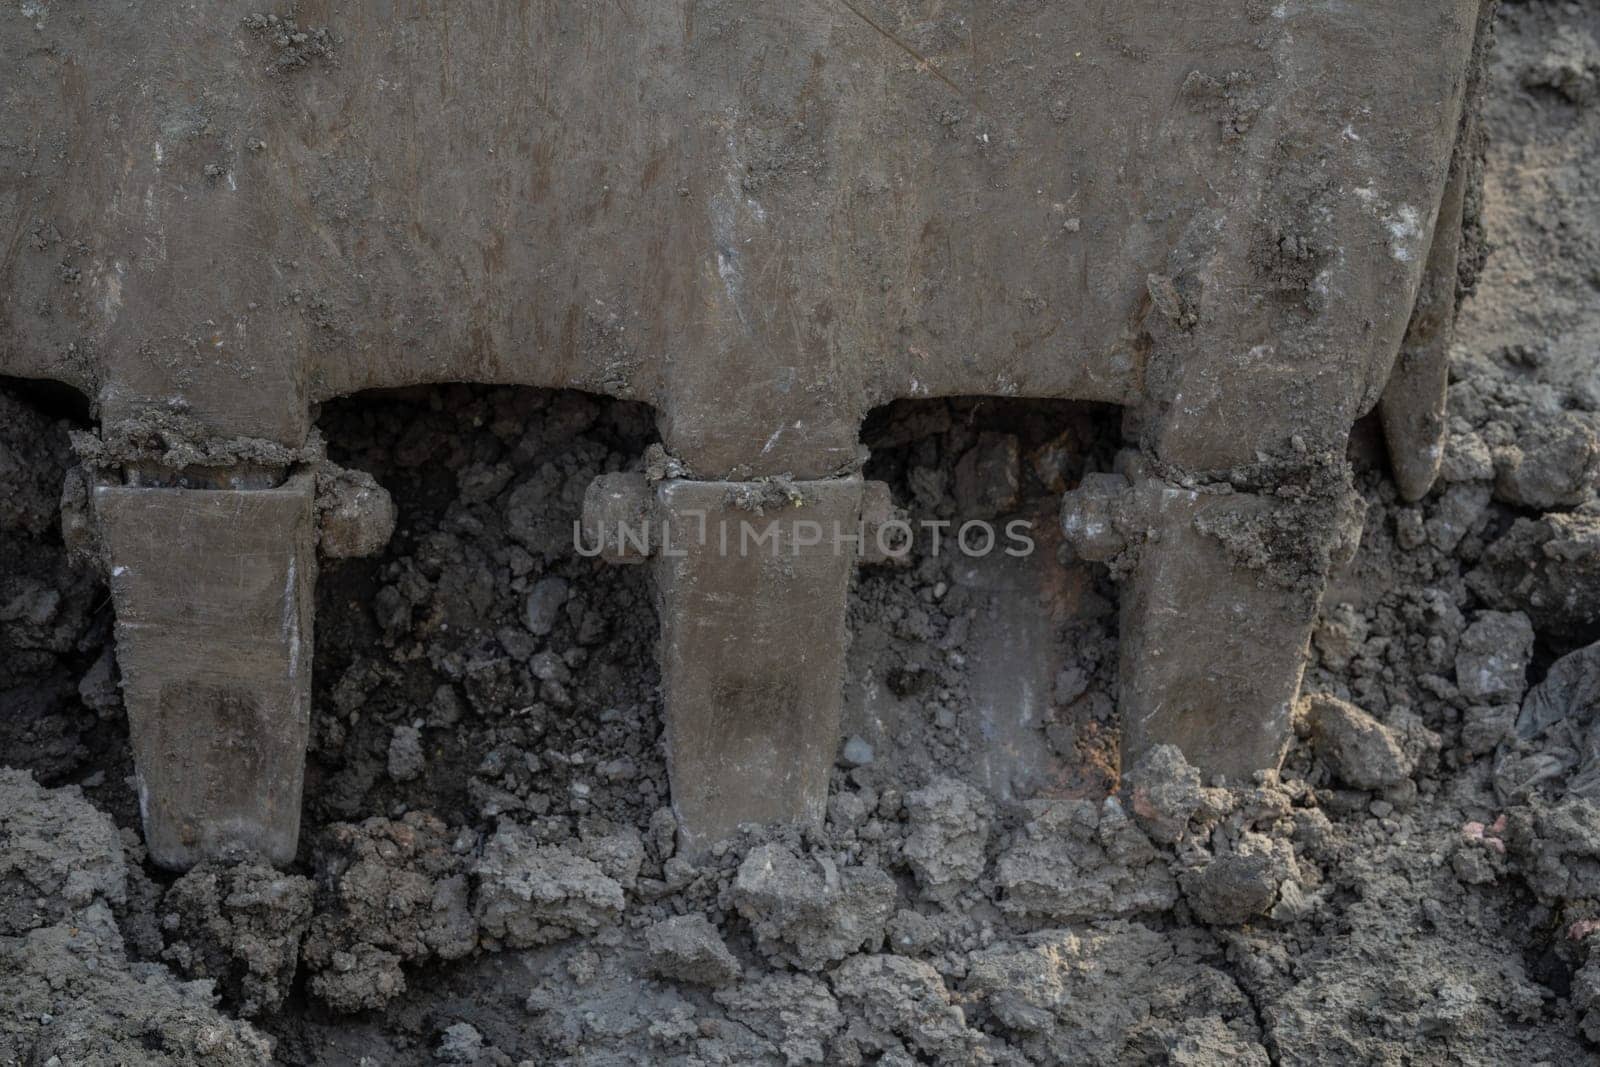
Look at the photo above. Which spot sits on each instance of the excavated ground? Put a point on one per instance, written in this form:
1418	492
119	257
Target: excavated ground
487	872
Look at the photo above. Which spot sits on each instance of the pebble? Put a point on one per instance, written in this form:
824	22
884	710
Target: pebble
541	608
857	753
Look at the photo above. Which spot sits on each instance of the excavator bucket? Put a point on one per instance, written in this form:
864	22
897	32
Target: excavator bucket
764	220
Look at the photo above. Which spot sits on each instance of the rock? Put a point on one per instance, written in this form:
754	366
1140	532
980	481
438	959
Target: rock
1552	465
1164	791
1076	860
1493	656
897	998
856	753
240	925
1240	883
390	892
531	894
806	911
406	761
1460	511
1359	750
59	854
688	948
949	833
542	607
988	477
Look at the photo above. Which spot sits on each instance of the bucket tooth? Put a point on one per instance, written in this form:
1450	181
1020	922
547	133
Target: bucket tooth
1413	406
753	634
213	594
1215	621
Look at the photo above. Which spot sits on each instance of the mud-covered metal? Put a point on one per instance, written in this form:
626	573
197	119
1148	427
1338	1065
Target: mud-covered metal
764	220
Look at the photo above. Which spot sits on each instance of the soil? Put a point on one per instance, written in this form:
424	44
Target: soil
487	871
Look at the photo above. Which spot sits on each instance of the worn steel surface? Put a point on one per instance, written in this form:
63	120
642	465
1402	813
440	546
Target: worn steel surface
213	593
753	216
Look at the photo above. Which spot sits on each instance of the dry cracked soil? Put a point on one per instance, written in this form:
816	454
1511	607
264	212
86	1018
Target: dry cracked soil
487	872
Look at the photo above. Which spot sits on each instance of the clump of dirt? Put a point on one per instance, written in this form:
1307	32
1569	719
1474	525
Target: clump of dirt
70	991
293	46
480	668
391	892
239	924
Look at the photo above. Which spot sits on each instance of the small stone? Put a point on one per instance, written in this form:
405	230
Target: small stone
1551	466
547	667
541	609
857	753
1493	657
688	948
406	760
1358	749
